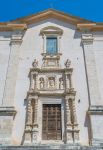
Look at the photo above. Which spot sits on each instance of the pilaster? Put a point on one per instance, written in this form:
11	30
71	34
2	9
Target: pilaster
7	110
94	111
91	72
9	90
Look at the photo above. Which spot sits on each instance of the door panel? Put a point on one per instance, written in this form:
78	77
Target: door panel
51	122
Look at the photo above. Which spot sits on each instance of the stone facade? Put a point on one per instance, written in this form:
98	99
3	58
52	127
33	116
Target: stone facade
71	78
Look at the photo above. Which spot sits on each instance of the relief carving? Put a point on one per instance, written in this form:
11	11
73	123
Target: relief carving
35	63
51	82
61	83
67	63
41	83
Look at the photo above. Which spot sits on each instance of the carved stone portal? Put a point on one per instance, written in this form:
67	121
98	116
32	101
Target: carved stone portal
55	82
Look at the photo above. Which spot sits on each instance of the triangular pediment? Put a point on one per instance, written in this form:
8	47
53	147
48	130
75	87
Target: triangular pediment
22	23
51	13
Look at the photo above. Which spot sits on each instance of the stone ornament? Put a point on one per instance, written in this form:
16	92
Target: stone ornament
41	83
35	63
51	82
61	83
67	63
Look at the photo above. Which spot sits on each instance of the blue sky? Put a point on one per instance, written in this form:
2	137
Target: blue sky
88	9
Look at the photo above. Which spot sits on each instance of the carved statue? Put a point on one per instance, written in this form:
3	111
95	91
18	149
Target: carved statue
51	82
67	63
61	84
35	63
41	83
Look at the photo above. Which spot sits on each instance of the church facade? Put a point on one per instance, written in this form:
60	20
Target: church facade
51	77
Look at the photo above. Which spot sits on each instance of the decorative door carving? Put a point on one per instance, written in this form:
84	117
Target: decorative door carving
52	129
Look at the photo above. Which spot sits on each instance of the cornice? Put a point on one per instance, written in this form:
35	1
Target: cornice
90	27
95	110
7	111
51	13
12	27
47	70
22	23
87	38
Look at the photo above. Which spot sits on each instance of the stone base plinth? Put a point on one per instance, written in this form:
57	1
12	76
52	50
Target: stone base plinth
6	123
51	147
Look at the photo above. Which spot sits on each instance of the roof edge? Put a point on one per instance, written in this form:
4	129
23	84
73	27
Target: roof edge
22	23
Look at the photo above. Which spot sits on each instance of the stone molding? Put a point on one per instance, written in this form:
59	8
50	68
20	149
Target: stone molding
87	39
95	110
51	30
7	111
16	37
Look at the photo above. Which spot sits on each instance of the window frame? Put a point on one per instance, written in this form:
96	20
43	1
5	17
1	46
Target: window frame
56	48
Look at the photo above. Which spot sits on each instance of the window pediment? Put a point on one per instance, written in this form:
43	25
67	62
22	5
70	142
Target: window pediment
51	30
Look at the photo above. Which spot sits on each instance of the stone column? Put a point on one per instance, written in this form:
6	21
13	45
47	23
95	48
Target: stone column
32	82
36	80
9	90
69	138
95	100
67	81
70	81
35	123
29	113
75	124
28	128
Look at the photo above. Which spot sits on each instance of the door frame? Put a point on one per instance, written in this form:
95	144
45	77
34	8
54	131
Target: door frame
55	120
51	100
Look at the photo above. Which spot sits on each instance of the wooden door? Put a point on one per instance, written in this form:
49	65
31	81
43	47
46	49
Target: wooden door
52	129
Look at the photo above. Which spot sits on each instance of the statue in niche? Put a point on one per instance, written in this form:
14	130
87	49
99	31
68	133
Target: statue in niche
61	83
67	63
41	83
35	63
51	82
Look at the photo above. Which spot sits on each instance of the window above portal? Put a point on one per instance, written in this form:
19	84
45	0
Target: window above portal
51	40
51	45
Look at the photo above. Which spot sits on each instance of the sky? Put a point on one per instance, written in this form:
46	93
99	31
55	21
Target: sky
87	9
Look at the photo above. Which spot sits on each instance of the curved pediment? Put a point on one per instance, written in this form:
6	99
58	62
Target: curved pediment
51	30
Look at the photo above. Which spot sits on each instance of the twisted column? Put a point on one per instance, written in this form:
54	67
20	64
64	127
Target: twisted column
67	112
29	113
36	109
74	112
35	124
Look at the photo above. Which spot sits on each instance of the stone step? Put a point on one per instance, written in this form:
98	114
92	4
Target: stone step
51	147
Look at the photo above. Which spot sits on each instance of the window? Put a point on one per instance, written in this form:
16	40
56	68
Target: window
51	45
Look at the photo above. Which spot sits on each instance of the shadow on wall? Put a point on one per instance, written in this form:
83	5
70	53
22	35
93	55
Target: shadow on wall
88	125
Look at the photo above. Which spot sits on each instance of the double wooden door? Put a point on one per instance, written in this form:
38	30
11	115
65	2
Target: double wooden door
51	120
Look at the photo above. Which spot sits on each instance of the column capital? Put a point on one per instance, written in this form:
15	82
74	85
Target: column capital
16	37
87	39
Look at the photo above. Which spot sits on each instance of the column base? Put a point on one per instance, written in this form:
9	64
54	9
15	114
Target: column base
72	136
27	137
97	142
35	135
7	115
